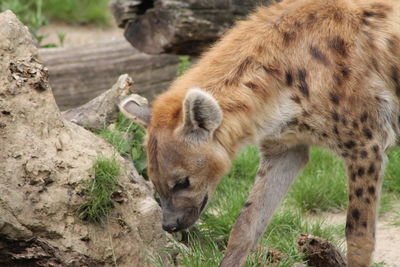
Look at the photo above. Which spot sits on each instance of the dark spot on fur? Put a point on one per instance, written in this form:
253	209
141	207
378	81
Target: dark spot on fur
247	204
367	133
363	154
350	144
345	71
325	135
365	21
335	130
349	227
335	116
296	99
251	85
355	125
359	192
271	70
289	37
338	45
303	86
243	67
361	171
375	148
393	44
371	190
364	117
318	55
355	213
344	121
371	169
294	121
334	98
304	127
364	224
377	13
345	154
289	78
367	200
353	176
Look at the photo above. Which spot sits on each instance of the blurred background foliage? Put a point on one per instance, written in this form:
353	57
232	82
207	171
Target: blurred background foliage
37	12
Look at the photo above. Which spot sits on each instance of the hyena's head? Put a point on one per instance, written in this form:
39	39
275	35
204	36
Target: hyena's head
185	161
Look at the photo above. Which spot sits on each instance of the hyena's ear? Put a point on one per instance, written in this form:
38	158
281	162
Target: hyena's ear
136	108
202	115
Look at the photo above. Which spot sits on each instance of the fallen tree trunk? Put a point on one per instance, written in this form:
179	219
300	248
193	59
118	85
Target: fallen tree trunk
79	74
178	27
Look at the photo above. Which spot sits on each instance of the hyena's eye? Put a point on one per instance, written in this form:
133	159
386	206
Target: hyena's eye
185	183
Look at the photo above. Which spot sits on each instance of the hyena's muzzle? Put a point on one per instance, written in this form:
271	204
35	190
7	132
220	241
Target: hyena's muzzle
179	218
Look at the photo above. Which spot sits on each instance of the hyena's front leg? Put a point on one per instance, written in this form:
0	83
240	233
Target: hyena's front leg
365	176
278	167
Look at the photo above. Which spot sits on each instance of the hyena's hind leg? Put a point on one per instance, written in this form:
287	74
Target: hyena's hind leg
278	167
365	172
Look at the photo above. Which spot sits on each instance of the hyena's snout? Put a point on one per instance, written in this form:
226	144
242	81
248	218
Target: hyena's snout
179	218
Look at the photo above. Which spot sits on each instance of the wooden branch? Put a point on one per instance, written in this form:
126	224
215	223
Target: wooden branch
79	74
102	110
319	252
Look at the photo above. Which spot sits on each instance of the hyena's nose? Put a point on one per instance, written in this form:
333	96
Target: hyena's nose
172	227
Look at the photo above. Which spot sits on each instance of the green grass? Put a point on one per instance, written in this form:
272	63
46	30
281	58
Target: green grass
36	13
99	189
391	182
320	187
127	138
29	12
77	11
322	184
183	65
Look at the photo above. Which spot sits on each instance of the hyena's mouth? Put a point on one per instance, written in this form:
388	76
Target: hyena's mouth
203	204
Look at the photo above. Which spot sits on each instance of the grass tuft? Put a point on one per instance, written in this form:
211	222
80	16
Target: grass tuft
391	183
183	65
78	11
322	184
99	190
127	138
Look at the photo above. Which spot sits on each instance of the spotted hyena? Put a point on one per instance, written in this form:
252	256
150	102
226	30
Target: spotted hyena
298	73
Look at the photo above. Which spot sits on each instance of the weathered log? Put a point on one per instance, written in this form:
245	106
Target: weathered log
79	74
178	27
319	252
102	110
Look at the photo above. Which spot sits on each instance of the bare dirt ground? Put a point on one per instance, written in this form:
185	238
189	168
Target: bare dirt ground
387	250
79	35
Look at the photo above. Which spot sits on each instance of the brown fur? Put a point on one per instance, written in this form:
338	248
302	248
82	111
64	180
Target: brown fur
299	72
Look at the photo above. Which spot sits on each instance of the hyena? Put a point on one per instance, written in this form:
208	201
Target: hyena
295	74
